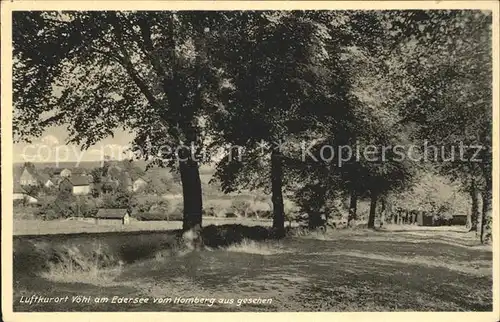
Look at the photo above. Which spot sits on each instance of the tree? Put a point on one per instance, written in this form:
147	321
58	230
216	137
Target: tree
281	79
452	98
145	71
371	119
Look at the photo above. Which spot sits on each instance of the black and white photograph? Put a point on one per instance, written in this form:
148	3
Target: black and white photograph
251	160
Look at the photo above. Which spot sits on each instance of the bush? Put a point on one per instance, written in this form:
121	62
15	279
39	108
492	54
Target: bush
117	200
19	203
158	216
152	216
55	208
266	214
176	216
241	207
48	214
87	207
21	212
231	215
152	207
149	204
218	206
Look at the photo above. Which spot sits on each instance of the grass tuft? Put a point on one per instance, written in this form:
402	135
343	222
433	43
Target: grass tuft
71	265
252	247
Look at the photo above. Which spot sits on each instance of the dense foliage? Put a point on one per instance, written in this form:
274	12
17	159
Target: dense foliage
255	80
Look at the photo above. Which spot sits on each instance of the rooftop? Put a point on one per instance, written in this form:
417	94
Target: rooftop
79	180
111	213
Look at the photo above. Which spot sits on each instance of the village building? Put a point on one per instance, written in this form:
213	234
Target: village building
28	178
112	216
77	184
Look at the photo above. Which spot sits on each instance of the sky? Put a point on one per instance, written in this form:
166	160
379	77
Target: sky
51	147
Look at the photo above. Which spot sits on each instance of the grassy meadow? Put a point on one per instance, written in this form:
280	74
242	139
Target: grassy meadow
40	227
417	269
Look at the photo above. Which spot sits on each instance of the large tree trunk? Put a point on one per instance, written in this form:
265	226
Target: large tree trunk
353	208
373	208
486	236
277	194
192	195
474	215
383	210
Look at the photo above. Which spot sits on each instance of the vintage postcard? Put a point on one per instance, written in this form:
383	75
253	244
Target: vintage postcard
323	160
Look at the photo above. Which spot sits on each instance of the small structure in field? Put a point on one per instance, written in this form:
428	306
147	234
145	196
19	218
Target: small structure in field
113	216
458	220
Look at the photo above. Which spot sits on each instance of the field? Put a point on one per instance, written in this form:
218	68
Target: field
39	227
410	269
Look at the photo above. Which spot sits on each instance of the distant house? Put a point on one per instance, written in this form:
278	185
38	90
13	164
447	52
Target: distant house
79	185
139	184
107	215
28	178
20	194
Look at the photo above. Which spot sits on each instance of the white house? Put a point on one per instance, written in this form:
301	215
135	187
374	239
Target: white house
27	178
79	185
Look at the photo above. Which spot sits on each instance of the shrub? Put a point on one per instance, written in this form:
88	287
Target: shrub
48	214
210	212
218	206
117	200
240	207
152	216
260	209
264	214
157	216
159	208
84	207
54	208
20	203
21	212
176	216
149	203
231	215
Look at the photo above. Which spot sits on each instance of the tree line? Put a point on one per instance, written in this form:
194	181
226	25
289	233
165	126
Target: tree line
254	79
